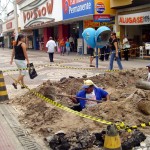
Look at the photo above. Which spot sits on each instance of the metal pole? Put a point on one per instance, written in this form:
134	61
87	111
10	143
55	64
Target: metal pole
16	19
96	57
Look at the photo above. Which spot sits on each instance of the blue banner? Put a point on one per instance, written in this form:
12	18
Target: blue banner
77	8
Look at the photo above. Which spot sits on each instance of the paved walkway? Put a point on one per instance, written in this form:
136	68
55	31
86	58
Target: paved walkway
13	136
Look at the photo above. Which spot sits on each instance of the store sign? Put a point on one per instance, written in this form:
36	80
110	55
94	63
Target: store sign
101	18
103	7
77	8
38	14
92	24
135	19
9	25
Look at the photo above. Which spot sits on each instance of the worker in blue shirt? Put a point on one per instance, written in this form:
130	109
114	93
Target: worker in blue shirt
89	96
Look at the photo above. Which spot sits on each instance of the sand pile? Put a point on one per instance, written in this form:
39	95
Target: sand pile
46	119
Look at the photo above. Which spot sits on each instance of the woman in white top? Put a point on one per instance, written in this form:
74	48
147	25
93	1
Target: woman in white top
126	46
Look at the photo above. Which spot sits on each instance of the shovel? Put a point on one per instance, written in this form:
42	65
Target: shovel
72	96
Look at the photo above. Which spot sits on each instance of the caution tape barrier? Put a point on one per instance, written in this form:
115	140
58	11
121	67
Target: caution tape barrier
122	50
120	125
67	67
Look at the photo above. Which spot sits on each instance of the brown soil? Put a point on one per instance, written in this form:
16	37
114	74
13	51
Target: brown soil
45	119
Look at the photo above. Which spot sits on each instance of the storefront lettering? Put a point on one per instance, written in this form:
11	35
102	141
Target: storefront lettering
131	20
80	8
135	19
38	12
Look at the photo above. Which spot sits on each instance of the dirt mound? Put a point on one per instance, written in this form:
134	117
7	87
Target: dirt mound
45	119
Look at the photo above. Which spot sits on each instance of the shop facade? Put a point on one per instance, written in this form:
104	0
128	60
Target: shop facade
135	24
61	19
8	32
40	20
83	14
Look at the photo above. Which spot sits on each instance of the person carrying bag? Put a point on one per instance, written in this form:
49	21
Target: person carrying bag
32	71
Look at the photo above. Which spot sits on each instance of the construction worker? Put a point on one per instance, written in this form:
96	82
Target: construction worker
89	96
148	66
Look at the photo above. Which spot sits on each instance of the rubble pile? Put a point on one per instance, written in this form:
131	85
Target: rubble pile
128	104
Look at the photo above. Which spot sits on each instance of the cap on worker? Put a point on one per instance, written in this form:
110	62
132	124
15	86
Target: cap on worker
148	65
87	83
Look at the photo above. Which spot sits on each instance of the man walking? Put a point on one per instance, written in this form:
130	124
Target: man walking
51	45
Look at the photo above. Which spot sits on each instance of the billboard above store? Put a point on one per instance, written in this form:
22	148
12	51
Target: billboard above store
40	13
103	7
77	8
134	19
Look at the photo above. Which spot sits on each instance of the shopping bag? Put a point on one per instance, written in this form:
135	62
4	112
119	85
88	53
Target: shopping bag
32	71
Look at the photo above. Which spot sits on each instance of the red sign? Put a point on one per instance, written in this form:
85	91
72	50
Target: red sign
9	25
38	12
101	18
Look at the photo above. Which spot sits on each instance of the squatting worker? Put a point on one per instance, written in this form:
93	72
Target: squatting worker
148	66
89	91
19	53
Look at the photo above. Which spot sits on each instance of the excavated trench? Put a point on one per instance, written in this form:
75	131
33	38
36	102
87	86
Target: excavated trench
66	131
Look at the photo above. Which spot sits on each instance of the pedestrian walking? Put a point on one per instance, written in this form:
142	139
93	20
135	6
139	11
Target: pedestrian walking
19	53
114	52
67	47
91	51
71	40
148	68
126	46
51	45
62	46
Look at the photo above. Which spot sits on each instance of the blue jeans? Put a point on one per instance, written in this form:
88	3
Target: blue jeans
112	57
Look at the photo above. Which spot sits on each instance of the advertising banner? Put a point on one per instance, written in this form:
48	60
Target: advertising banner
77	8
134	19
103	7
92	24
101	18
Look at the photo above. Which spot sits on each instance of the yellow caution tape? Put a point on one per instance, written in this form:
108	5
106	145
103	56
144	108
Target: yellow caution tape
67	67
119	125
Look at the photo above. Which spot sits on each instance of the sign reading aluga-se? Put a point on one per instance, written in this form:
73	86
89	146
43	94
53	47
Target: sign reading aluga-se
134	19
38	13
77	8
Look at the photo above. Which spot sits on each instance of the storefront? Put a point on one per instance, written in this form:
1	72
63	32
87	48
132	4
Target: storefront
74	12
40	18
8	32
136	26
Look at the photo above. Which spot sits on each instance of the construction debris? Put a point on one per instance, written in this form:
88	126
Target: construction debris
128	104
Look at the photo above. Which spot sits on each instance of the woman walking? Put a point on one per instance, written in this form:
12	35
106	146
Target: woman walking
67	46
19	53
115	52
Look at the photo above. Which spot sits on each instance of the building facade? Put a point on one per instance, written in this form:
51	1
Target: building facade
62	19
133	20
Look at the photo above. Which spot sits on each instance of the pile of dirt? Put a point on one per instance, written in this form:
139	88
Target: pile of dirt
45	119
